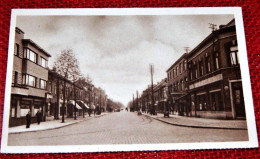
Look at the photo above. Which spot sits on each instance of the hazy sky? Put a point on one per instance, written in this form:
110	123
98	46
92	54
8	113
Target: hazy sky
115	51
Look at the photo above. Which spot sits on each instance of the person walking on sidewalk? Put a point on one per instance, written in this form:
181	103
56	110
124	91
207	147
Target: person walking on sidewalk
28	119
39	117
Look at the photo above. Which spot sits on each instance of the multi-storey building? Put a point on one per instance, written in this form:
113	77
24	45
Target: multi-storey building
215	86
160	96
177	78
29	80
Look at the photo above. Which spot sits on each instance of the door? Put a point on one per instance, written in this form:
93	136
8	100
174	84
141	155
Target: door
238	99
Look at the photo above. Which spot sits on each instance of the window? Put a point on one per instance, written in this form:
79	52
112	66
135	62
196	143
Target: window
234	59
15	78
177	70
29	54
216	61
42	84
180	68
16	49
29	80
208	69
50	86
55	89
201	68
185	65
44	62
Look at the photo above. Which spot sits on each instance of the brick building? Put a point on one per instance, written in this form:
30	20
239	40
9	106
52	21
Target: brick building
215	86
177	78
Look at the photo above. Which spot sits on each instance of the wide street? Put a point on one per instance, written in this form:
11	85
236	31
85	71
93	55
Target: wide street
123	128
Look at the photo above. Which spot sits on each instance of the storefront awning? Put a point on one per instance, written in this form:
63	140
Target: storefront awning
73	103
83	103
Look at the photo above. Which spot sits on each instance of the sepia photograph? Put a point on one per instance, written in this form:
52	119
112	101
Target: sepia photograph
95	80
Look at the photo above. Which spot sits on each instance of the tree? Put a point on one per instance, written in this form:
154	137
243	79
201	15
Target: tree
67	66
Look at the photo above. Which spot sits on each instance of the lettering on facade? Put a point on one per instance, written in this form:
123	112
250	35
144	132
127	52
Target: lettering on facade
213	79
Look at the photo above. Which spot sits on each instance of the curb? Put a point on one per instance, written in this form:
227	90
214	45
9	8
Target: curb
195	126
58	126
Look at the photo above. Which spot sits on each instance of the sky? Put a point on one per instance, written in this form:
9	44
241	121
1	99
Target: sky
116	51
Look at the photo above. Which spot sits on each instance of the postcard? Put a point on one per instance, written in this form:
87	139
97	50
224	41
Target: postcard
129	79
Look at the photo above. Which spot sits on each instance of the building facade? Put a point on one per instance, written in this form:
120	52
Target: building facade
215	86
177	79
161	96
29	80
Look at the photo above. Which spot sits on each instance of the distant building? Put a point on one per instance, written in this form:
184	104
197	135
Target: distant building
29	80
215	86
160	96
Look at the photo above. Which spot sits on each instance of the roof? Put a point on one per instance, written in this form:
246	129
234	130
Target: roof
183	56
19	30
35	45
228	27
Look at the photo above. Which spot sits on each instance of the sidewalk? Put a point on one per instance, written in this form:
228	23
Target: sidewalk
53	124
200	122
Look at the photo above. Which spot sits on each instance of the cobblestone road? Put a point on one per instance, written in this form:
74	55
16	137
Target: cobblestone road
124	128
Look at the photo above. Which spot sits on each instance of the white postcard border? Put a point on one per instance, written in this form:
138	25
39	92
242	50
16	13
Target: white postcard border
250	115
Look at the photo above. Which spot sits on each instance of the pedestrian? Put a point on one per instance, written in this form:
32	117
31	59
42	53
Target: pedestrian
28	119
89	112
39	117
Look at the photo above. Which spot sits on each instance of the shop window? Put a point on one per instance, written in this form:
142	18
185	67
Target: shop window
24	107
201	102
13	107
216	101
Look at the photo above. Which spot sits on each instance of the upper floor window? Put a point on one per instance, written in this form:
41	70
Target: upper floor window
181	68
29	54
44	62
177	70
185	65
29	80
16	49
216	61
234	58
42	84
201	68
208	63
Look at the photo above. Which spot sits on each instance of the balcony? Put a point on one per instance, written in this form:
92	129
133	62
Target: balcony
19	90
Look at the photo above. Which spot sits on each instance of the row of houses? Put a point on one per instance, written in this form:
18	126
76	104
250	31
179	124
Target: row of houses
205	82
37	88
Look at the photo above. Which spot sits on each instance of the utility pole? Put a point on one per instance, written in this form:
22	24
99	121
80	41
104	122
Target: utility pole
133	102
100	103
137	101
152	71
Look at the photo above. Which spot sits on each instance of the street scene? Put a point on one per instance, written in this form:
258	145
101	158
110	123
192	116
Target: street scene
128	128
96	80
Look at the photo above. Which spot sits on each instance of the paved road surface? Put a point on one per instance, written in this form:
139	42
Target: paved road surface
123	128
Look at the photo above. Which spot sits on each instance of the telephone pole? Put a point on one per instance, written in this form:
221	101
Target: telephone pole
152	72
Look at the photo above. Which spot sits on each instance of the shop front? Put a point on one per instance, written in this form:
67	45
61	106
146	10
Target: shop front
21	105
